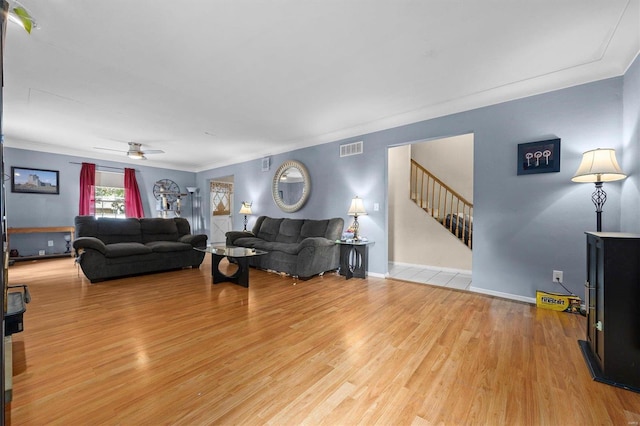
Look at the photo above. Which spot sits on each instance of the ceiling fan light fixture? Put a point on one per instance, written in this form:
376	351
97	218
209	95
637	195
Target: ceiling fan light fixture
136	155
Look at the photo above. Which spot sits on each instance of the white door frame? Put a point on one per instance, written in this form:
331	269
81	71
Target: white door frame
221	203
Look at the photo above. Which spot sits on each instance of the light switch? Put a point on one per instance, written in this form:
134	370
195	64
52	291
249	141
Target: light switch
376	207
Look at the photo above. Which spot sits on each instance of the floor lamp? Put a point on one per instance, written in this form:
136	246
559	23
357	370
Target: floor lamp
191	190
598	166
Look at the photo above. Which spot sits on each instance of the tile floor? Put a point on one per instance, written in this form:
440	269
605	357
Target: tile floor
431	276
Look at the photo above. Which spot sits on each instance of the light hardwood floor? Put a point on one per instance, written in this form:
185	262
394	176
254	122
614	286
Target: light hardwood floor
172	348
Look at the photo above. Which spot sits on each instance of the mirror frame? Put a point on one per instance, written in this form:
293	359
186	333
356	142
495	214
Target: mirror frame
290	208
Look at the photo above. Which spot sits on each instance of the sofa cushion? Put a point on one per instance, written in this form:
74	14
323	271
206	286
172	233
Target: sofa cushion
111	230
182	225
158	229
250	242
86	226
313	228
289	230
269	229
272	247
168	246
126	249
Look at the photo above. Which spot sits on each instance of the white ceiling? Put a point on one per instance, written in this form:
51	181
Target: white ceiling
218	82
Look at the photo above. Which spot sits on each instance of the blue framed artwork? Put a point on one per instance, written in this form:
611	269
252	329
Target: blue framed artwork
539	157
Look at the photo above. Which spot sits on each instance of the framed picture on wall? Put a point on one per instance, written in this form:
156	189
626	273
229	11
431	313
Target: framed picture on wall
539	157
34	181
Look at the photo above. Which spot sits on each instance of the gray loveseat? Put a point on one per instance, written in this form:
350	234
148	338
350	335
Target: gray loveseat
298	247
110	248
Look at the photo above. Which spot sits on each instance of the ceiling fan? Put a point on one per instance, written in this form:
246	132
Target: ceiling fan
135	151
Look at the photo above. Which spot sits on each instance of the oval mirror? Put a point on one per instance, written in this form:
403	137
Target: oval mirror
291	186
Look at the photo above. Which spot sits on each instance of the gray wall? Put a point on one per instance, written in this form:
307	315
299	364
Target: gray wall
630	163
39	210
525	226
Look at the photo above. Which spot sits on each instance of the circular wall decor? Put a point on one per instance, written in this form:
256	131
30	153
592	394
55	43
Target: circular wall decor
168	188
291	186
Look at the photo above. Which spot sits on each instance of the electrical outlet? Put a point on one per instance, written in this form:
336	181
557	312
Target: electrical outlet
557	277
50	242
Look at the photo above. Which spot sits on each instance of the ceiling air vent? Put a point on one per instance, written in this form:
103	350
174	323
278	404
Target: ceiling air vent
354	148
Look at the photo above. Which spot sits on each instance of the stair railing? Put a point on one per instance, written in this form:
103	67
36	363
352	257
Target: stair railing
442	203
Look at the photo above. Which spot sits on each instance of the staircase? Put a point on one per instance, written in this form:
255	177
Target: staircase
442	203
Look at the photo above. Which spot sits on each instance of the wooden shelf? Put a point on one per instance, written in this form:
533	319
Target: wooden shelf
36	256
71	230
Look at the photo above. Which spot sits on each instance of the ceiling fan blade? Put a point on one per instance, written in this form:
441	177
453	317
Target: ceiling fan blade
108	149
153	151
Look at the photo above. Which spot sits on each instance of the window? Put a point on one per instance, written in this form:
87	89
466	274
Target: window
109	194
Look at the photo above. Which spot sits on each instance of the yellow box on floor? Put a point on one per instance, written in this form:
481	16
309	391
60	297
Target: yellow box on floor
558	302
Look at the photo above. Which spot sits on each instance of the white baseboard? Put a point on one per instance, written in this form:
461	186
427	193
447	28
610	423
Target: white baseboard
376	274
509	296
437	268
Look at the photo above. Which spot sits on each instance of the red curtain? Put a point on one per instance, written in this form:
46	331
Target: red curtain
132	200
87	189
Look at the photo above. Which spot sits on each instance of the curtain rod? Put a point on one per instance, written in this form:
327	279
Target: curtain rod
104	167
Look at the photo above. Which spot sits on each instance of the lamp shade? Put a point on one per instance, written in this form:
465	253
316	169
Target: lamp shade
357	207
599	165
246	208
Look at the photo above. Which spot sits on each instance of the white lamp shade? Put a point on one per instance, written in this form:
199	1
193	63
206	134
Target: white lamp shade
357	207
246	208
599	165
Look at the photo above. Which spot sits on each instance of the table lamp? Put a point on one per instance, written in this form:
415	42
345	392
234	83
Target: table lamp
356	209
245	210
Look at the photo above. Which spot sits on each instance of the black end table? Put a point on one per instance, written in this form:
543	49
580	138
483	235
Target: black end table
354	260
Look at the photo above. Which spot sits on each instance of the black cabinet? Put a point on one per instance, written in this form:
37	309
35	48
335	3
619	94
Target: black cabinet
612	301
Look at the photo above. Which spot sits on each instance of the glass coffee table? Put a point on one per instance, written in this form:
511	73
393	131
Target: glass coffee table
241	257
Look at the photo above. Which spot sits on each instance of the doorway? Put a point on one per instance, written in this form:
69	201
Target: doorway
221	196
420	248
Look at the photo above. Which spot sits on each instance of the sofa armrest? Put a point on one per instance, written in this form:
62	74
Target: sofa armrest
89	243
317	254
316	242
197	240
232	236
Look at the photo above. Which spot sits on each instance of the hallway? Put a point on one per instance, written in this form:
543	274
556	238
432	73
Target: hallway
424	275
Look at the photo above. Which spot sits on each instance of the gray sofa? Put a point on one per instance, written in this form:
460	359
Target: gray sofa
298	247
109	248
